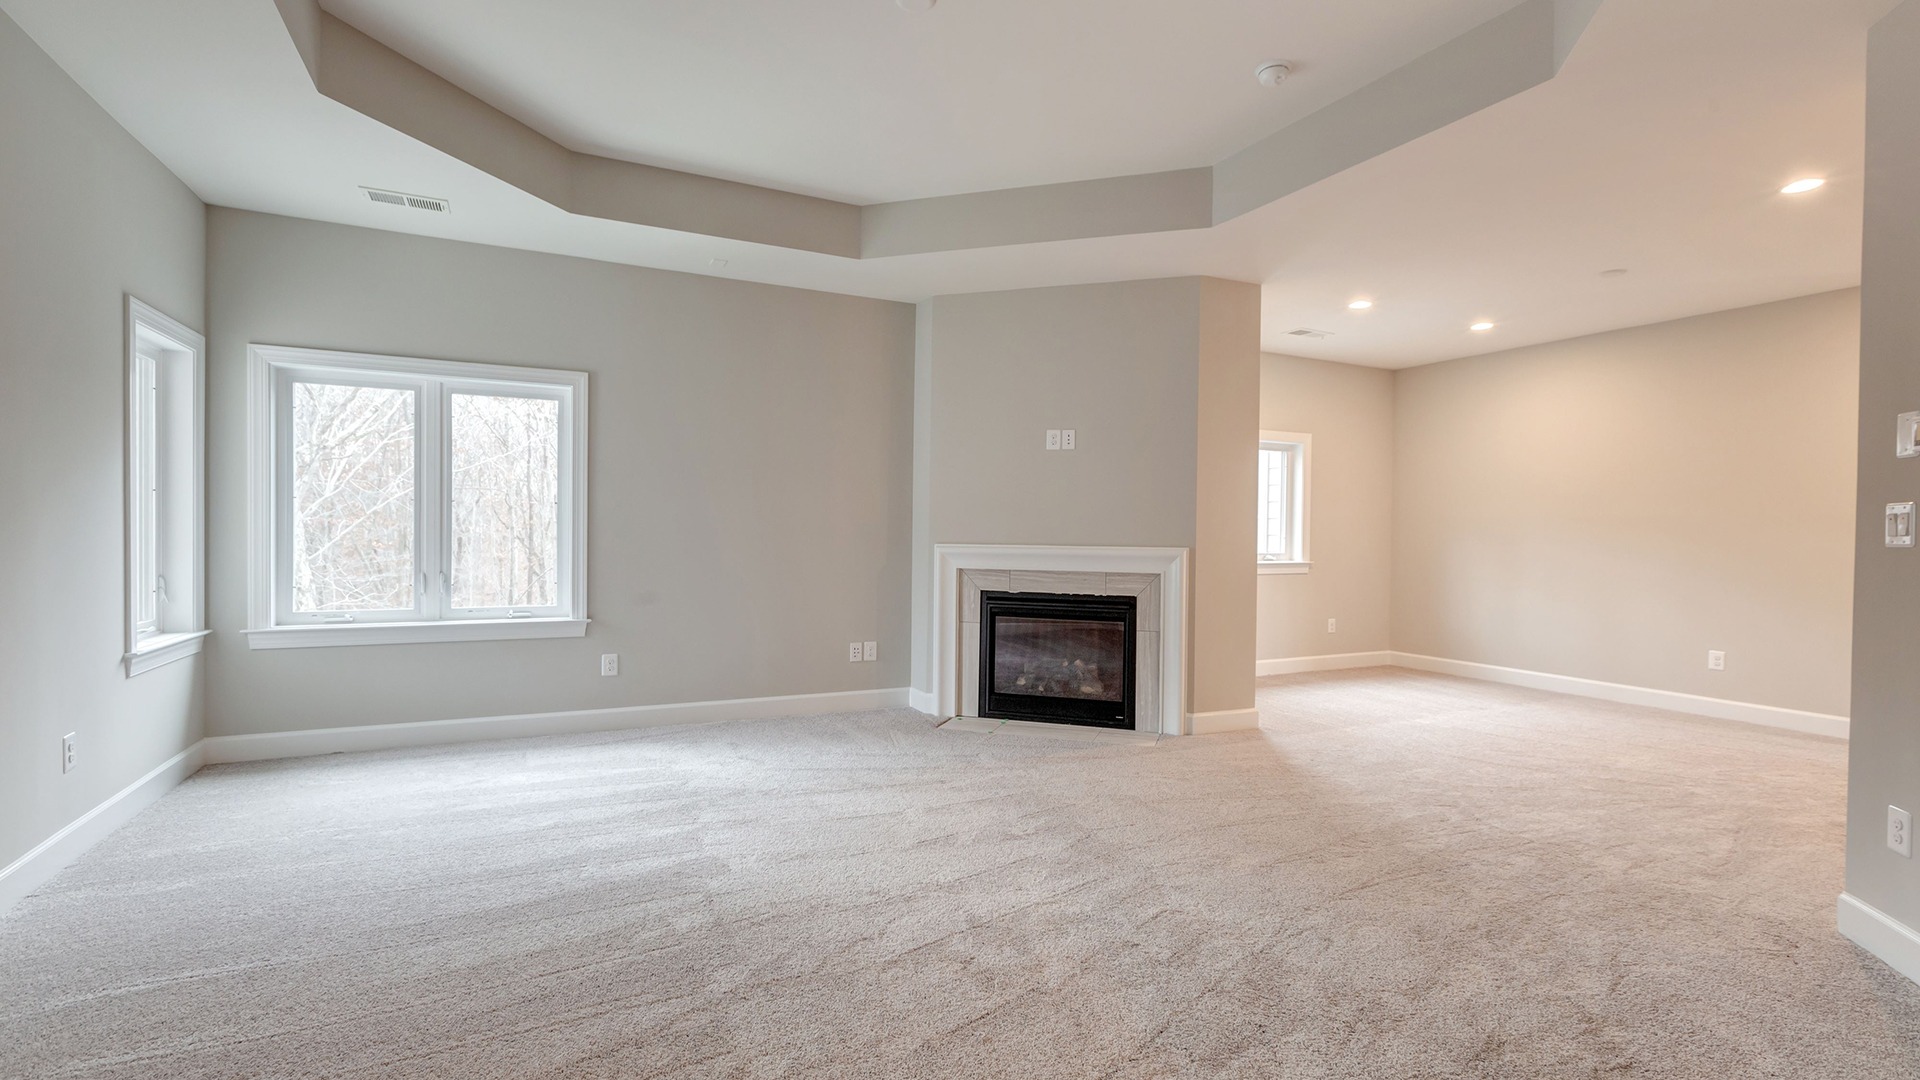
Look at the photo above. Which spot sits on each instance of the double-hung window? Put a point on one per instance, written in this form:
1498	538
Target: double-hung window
165	507
1282	543
399	500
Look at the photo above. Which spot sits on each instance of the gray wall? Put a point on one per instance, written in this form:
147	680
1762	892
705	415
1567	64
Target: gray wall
750	473
1885	752
1349	412
1134	368
1613	507
86	216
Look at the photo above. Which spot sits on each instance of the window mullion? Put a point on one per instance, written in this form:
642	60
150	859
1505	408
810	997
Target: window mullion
431	505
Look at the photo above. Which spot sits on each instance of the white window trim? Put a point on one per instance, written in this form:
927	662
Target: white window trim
187	600
264	364
1303	524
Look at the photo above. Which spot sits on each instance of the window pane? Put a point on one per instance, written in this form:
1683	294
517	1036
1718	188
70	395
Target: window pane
147	508
1276	476
506	501
353	494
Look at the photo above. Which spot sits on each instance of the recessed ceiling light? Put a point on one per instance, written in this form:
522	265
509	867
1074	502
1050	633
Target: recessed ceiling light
1801	187
1273	72
916	5
1481	327
1360	305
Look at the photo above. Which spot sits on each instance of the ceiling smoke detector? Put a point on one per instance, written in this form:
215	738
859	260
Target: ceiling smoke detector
1310	335
1273	72
401	198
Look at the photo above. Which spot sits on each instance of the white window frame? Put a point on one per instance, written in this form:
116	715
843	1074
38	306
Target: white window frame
1300	513
166	512
272	624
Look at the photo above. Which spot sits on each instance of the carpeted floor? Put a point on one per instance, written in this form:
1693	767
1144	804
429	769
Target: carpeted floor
1402	876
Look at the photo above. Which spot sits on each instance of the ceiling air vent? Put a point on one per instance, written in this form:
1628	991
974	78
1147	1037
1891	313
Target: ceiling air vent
1310	335
401	198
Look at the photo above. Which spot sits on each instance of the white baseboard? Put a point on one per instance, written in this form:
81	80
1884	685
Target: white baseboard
57	852
1211	723
921	701
1295	665
286	744
1717	708
1880	934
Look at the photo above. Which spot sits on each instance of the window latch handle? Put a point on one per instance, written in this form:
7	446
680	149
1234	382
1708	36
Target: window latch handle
338	618
519	614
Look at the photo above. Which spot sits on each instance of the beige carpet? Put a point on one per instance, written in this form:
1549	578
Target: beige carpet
1402	876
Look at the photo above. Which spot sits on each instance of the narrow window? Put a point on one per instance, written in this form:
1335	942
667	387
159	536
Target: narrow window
165	510
415	500
1282	542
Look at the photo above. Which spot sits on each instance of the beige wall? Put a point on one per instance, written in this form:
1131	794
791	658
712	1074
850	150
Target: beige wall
1613	507
1133	368
750	473
86	216
1349	412
1885	751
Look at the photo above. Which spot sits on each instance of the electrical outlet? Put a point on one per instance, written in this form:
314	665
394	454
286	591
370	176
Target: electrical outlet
855	651
69	751
610	663
1066	439
1053	438
1716	660
869	650
1333	626
1900	831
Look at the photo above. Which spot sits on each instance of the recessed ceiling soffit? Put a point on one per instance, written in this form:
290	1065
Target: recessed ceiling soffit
1509	54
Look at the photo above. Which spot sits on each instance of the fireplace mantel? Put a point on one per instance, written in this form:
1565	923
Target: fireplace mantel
951	561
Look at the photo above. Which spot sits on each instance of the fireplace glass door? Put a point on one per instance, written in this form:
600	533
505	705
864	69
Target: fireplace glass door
1057	658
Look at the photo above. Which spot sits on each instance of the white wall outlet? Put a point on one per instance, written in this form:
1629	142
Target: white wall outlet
1333	626
1716	660
869	650
1066	439
69	751
610	663
1053	438
855	652
1907	443
1900	831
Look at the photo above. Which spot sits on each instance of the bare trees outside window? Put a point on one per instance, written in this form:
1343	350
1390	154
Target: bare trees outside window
353	496
506	501
400	499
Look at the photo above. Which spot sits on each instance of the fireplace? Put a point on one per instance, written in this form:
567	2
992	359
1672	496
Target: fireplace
1059	658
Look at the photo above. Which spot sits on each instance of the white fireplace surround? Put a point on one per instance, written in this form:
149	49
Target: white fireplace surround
951	561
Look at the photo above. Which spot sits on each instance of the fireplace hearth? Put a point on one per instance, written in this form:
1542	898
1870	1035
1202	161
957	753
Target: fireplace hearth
1058	658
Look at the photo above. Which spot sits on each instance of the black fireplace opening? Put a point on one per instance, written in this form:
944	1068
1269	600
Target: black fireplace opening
1057	658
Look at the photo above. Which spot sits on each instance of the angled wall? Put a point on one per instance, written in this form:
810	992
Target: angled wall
1885	754
1159	380
750	473
86	216
1612	507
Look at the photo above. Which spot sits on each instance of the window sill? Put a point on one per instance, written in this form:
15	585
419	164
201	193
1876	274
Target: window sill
332	634
163	649
1285	567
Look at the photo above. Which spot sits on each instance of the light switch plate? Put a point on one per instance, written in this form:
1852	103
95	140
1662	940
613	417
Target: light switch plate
1907	443
1066	439
1900	831
1053	438
1900	525
1716	660
869	650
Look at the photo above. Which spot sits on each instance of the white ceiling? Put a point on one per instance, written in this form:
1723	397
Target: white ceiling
1658	149
861	101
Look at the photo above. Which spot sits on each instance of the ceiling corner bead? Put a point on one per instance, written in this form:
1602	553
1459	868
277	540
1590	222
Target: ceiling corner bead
1507	55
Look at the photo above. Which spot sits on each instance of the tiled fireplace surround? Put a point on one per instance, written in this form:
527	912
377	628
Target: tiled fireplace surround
1156	576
